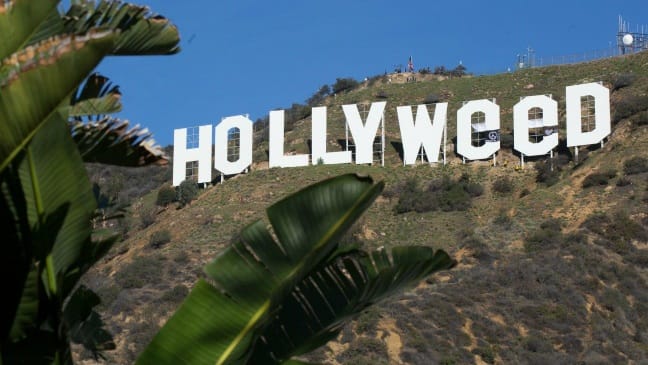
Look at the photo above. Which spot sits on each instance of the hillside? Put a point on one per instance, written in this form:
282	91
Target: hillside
553	264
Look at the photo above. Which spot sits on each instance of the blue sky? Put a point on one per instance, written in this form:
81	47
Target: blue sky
248	57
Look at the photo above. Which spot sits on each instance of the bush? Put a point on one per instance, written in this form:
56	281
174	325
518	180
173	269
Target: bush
432	99
623	80
382	94
623	181
342	85
175	295
147	216
629	106
187	192
617	228
548	236
365	350
159	238
441	194
165	196
142	270
635	165
598	178
544	173
503	185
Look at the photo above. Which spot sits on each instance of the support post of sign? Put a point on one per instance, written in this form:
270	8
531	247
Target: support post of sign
576	154
445	138
382	139
494	159
463	160
346	135
222	179
551	156
522	160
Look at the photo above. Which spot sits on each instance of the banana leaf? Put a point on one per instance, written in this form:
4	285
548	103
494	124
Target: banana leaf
19	20
37	80
324	302
248	282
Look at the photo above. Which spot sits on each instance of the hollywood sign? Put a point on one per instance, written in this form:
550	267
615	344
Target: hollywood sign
417	131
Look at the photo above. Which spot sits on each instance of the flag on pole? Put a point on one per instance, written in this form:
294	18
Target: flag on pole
410	65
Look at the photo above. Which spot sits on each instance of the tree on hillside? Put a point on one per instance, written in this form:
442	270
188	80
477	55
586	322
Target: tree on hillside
51	122
459	71
345	84
318	98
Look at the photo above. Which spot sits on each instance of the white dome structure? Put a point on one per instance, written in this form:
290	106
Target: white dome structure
628	40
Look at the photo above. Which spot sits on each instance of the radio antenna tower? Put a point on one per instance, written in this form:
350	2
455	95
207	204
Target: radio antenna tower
629	41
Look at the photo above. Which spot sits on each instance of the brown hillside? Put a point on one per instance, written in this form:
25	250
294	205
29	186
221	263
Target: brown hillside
550	272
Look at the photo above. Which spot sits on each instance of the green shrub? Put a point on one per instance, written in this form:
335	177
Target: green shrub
432	99
629	106
344	84
382	94
365	350
165	196
503	185
147	216
142	270
623	181
623	80
441	194
635	165
545	175
618	229
159	238
175	295
187	192
549	235
598	178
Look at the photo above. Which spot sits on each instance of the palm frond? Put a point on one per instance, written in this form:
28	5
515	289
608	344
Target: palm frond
110	141
140	31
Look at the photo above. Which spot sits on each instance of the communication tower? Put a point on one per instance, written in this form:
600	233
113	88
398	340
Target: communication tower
629	41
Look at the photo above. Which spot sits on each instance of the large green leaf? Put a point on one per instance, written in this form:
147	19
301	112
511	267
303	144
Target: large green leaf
53	176
141	32
219	322
95	98
19	19
325	301
15	257
111	141
37	80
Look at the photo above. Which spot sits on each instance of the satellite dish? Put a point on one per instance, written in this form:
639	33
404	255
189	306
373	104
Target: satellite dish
627	40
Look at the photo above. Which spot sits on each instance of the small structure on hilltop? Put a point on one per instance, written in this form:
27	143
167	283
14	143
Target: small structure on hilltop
629	41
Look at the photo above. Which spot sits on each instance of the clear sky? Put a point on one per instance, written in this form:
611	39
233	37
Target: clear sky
249	57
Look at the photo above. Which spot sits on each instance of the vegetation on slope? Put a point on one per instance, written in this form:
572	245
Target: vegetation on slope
550	270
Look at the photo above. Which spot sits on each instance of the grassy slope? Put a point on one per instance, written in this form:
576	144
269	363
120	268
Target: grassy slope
521	294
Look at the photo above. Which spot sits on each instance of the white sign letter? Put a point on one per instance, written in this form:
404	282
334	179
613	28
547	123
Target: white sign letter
182	155
277	157
364	133
319	141
421	132
465	126
602	126
221	162
522	123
